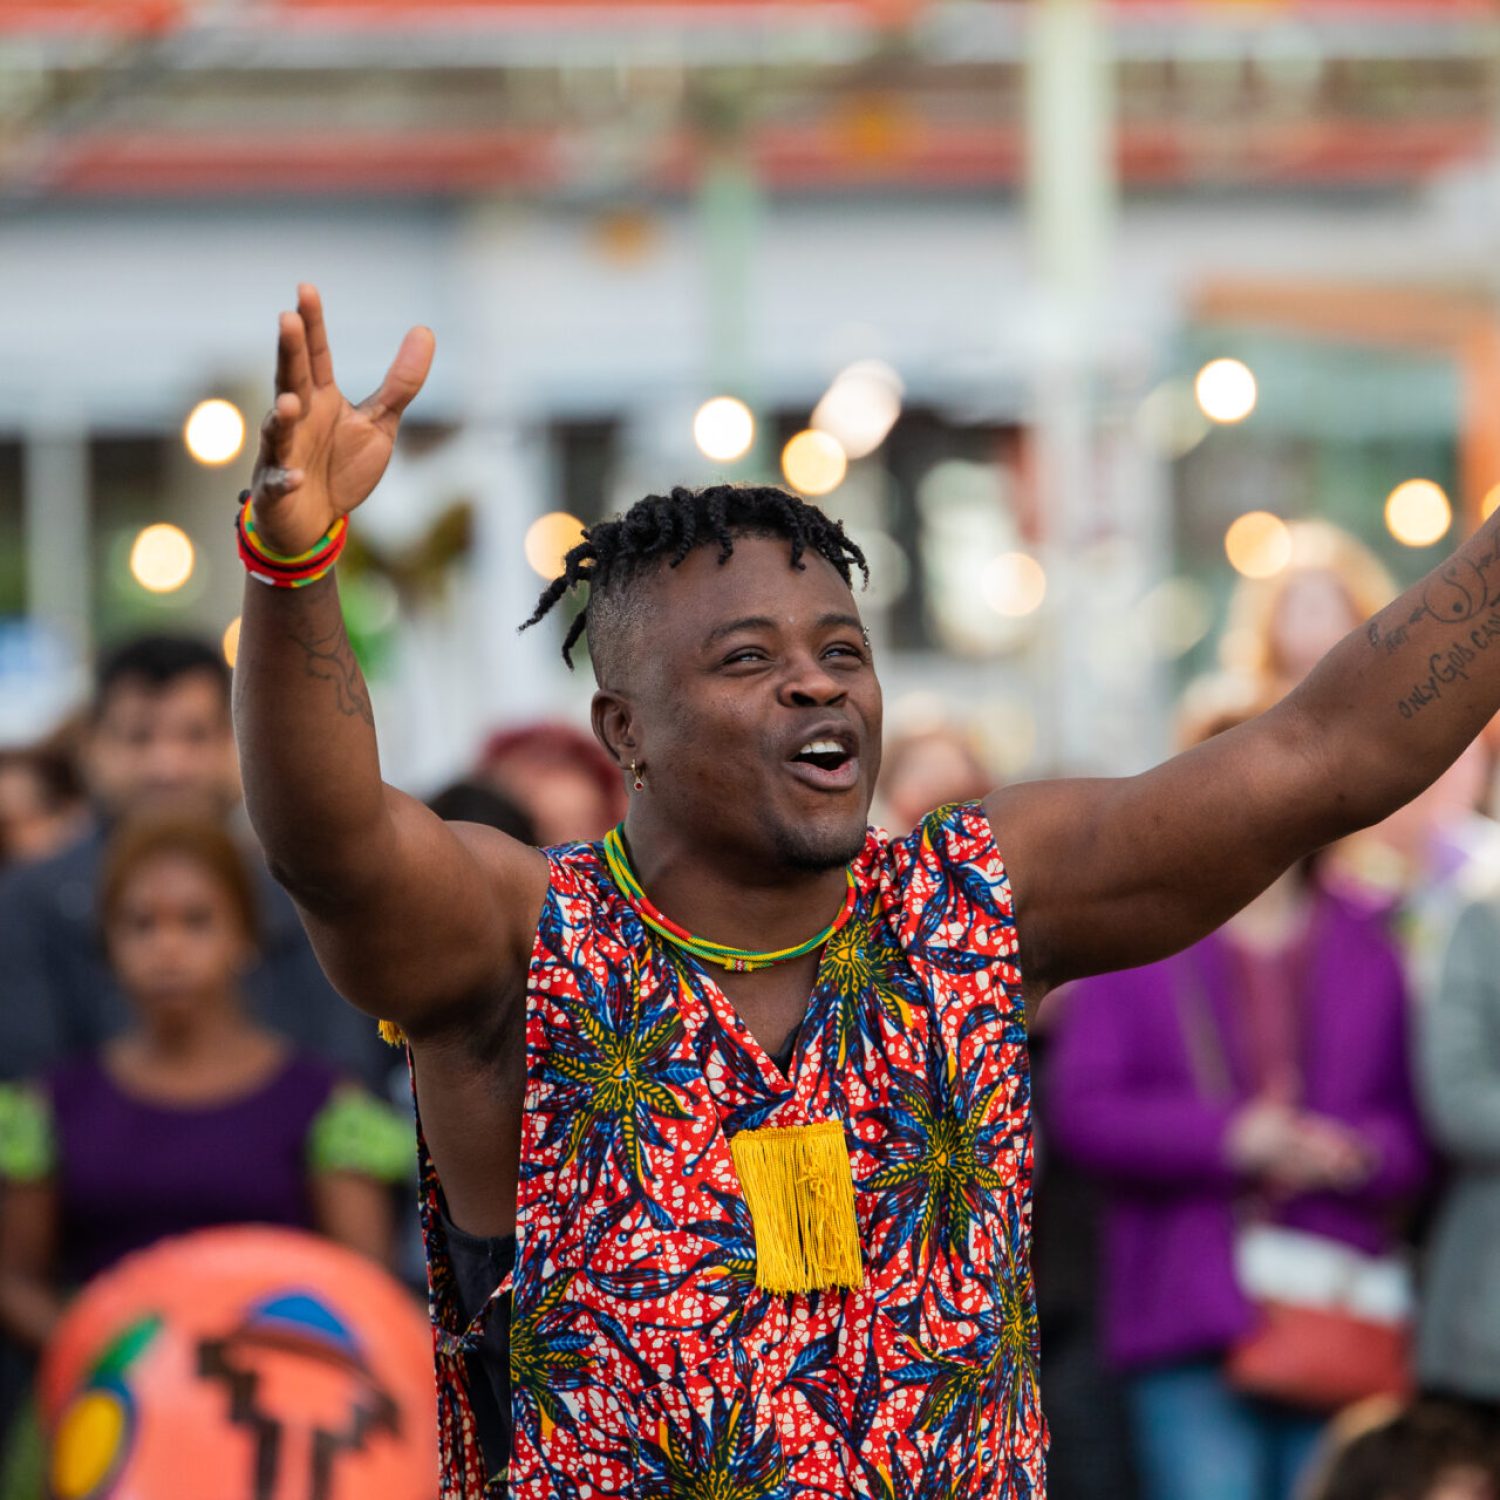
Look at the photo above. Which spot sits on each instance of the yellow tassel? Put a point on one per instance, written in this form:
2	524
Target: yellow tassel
392	1033
800	1188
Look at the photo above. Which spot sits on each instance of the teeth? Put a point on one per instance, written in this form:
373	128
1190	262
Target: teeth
822	747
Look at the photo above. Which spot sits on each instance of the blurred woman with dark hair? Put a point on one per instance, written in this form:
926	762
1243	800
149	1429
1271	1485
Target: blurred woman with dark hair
561	778
42	804
196	1116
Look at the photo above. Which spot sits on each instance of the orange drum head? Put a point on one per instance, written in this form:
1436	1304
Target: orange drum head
241	1364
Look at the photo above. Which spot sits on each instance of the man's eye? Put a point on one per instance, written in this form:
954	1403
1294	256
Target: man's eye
749	654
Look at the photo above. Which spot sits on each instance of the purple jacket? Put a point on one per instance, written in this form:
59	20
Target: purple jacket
1129	1103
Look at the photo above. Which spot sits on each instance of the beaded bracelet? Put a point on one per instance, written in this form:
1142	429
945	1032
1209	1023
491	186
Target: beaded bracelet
278	569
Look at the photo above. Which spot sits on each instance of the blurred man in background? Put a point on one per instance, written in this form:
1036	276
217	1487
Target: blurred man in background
158	738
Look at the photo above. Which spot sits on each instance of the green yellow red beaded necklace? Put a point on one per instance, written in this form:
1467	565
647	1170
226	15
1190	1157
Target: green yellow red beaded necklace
738	960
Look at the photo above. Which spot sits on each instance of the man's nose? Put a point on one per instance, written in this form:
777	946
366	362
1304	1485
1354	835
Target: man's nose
810	684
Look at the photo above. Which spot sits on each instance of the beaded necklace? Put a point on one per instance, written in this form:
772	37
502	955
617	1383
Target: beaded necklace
737	960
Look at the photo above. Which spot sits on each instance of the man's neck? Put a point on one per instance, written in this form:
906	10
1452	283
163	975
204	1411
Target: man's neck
719	898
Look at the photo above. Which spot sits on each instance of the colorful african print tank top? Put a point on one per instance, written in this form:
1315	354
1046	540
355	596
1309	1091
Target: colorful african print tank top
645	1361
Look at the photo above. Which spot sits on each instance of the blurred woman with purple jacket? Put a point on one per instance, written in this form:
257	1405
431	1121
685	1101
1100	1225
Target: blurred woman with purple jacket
1260	1076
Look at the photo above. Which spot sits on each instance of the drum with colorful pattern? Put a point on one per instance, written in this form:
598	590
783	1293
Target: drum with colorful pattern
241	1364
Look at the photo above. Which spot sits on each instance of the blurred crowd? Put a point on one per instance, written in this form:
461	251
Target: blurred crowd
1268	1196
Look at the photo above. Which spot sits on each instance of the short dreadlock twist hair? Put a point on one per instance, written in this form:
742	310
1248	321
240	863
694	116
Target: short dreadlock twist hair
659	528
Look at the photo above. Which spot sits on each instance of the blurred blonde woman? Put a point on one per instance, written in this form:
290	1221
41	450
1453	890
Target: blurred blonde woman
1280	627
1420	862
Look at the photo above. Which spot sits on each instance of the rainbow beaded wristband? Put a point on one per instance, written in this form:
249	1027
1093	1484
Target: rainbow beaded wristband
281	570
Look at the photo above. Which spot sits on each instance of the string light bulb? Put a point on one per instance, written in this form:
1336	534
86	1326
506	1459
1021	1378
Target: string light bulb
724	429
1014	585
548	541
1225	390
162	558
1418	513
214	432
231	641
814	462
1258	544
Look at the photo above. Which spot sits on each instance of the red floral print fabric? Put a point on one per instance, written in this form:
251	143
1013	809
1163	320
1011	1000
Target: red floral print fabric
645	1362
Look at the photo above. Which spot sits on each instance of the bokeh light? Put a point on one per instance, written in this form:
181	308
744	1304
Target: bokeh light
814	462
724	429
1169	420
860	407
1491	502
549	539
1177	614
162	558
1417	513
214	432
1014	585
231	641
1225	390
1258	544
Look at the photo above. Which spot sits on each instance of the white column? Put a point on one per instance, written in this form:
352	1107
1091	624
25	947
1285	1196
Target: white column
57	530
1070	202
524	675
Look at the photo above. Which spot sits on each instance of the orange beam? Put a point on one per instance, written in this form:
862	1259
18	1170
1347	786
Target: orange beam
1392	316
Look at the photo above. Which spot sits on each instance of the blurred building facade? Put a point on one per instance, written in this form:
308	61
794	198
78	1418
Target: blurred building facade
1038	221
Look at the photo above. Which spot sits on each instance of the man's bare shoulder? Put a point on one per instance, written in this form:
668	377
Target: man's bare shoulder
517	872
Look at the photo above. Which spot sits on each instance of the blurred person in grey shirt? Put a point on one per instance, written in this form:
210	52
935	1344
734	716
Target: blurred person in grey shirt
1458	1350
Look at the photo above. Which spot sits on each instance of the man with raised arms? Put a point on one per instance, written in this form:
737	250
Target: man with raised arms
729	1115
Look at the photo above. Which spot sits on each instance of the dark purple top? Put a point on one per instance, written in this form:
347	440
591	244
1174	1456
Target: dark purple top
131	1172
1133	1098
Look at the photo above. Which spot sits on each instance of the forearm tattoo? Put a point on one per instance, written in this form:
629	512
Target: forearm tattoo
1463	594
330	656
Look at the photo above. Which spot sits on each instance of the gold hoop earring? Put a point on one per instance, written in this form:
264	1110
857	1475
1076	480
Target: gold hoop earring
640	785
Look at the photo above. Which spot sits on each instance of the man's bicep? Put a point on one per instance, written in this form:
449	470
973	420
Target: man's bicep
445	915
1109	873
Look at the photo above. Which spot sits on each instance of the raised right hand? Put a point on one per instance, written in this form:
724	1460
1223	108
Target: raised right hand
320	455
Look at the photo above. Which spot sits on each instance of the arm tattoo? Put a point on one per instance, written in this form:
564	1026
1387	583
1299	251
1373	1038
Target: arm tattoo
1461	592
1448	667
331	657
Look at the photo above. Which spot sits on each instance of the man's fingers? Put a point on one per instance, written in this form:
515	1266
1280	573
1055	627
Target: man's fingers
319	357
276	484
292	370
274	477
276	430
404	378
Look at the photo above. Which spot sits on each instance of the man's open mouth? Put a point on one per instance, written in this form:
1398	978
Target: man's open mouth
827	755
827	762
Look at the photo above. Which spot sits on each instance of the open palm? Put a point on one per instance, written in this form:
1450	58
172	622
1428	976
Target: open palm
320	454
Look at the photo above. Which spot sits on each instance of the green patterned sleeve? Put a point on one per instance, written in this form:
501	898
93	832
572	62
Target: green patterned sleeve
355	1132
28	1144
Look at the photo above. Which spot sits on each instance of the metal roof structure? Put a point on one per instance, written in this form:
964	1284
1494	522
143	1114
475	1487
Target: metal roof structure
572	98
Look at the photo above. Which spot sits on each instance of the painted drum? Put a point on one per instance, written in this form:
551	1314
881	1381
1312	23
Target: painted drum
241	1364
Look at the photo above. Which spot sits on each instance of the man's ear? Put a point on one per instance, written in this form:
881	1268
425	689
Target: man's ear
615	726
